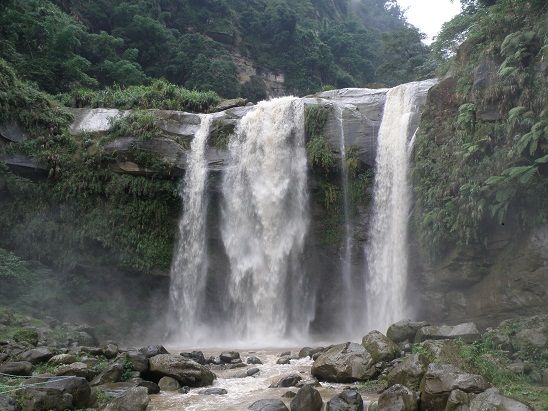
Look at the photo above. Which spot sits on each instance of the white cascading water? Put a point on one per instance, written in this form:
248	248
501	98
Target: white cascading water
387	250
265	221
346	261
189	266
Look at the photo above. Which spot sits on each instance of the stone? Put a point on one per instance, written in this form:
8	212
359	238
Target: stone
253	360
252	371
197	356
268	405
529	338
229	356
21	368
348	400
399	398
8	404
133	399
138	360
184	390
492	400
440	379
169	384
213	391
77	387
286	359
311	381
408	372
12	132
289	394
344	363
380	347
405	330
77	369
111	374
152	387
152	350
110	351
231	103
458	401
37	355
307	399
467	332
62	359
285	354
44	399
287	381
92	350
305	352
187	372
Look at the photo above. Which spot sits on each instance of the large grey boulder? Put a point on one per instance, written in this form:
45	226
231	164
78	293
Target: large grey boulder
380	347
348	400
169	384
287	381
307	399
408	372
344	363
57	394
458	401
398	398
134	399
467	332
268	405
152	350
37	355
12	132
8	404
113	373
492	400
186	371
405	330
21	368
441	379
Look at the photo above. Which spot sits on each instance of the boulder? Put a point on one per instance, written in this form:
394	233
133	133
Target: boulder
408	372
289	394
252	371
21	368
307	399
138	360
529	338
77	387
62	359
169	384
231	103
305	352
113	373
229	356
213	391
287	381
152	387
110	351
467	332
458	401
8	404
254	360
311	381
441	379
37	355
196	356
399	398
405	330
76	369
186	371
152	350
134	399
348	400
44	399
493	400
380	347
12	132
268	405
284	360
344	363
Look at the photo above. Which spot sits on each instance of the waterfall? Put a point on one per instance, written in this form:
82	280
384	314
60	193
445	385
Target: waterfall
189	266
346	260
387	249
265	221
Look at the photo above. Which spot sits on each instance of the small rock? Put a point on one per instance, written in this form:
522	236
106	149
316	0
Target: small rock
37	355
380	347
111	374
287	381
169	384
21	368
134	399
268	405
285	354
307	399
151	387
348	400
153	350
197	356
213	391
305	352
284	360
186	371
184	390
254	360
110	351
312	381
399	398
77	369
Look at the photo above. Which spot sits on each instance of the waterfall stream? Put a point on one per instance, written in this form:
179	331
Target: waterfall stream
189	266
387	249
265	221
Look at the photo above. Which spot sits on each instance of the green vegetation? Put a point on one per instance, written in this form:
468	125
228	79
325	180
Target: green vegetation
481	158
220	134
160	94
138	123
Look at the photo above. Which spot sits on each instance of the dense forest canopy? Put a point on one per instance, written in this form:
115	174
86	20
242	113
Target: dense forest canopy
65	44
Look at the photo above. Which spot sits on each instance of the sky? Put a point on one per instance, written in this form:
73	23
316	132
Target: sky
429	15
